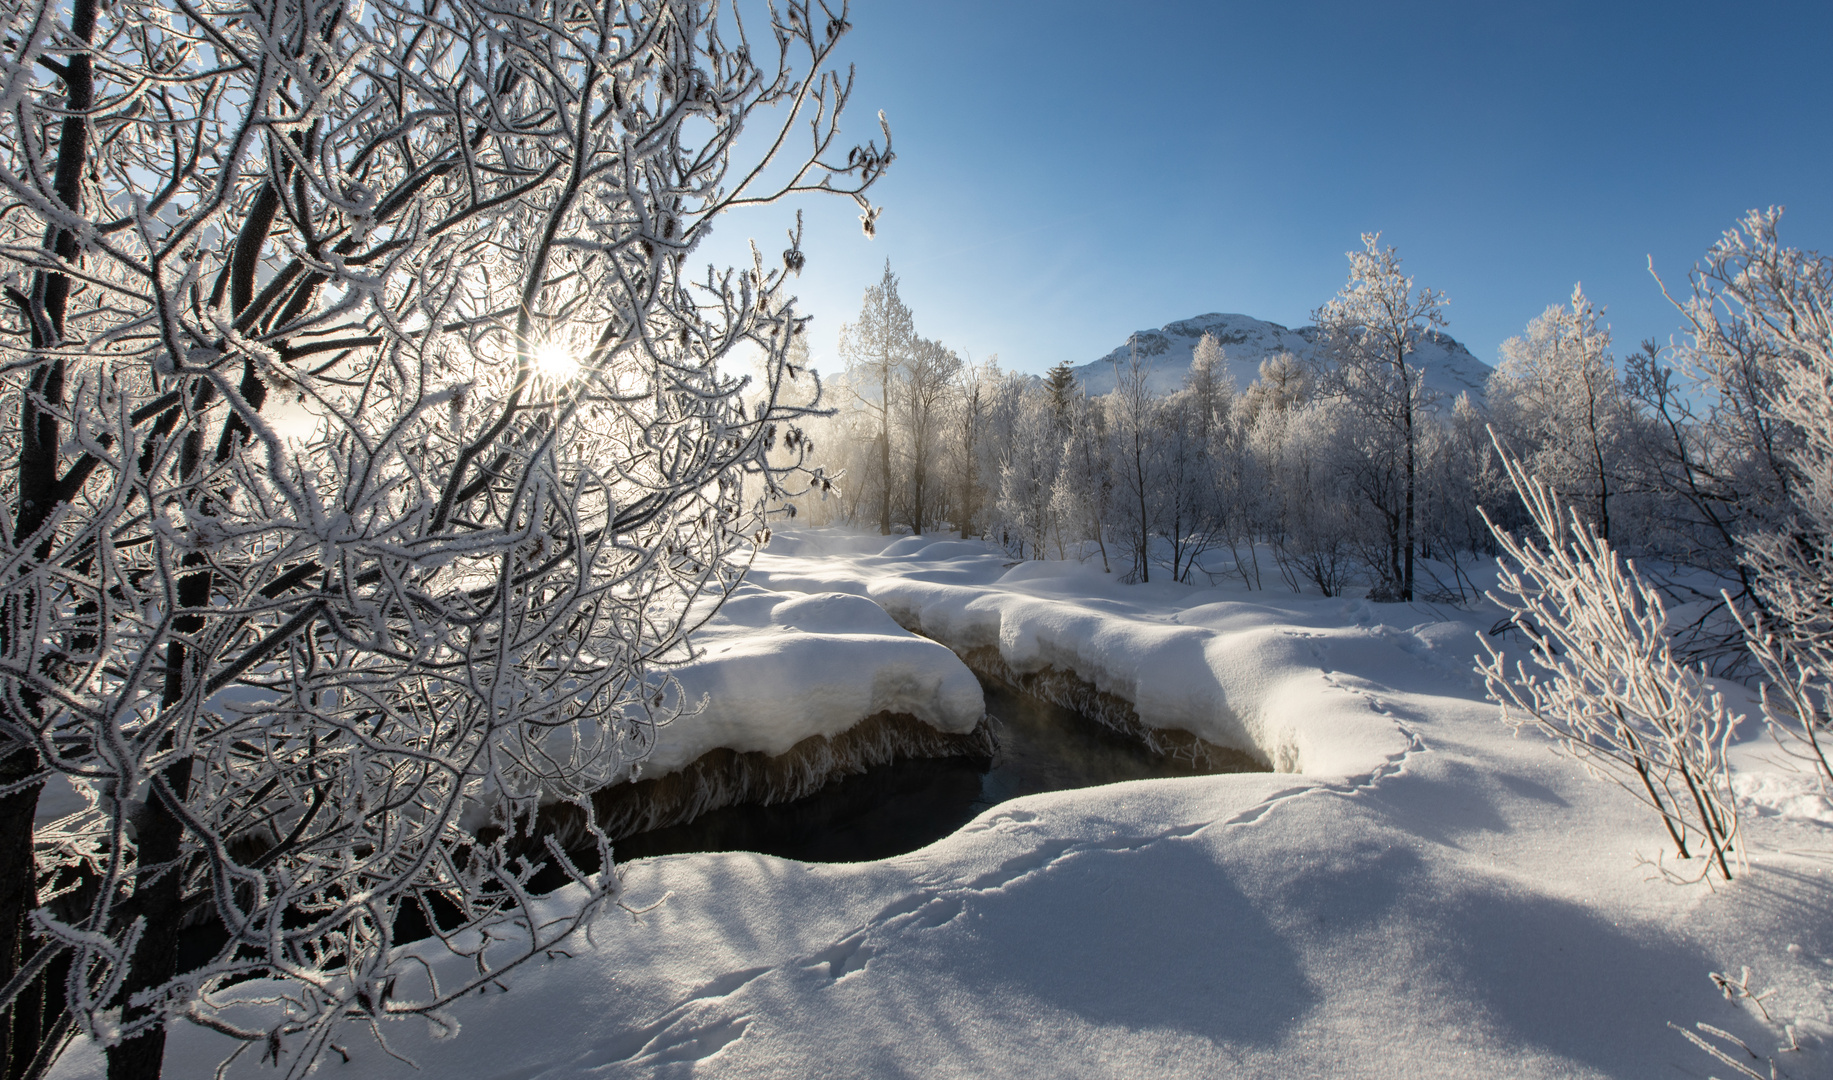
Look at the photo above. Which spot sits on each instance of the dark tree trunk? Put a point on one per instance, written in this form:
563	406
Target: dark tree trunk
21	1028
158	897
38	1012
159	882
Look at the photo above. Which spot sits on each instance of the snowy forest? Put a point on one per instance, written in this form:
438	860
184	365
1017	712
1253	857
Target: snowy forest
1347	470
446	628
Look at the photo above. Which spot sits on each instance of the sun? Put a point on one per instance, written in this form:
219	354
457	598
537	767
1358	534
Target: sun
556	361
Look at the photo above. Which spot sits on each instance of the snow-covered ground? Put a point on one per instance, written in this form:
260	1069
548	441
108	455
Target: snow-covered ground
1417	893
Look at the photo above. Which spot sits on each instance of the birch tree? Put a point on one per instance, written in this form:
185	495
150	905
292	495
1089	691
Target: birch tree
1556	391
1084	486
923	391
1028	474
1132	411
876	347
1368	331
976	387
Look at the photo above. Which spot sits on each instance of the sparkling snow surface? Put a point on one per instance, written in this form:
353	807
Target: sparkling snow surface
1427	895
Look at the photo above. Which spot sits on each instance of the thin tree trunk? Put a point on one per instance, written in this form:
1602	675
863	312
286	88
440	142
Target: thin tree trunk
919	474
21	1026
1406	587
884	458
158	897
1597	456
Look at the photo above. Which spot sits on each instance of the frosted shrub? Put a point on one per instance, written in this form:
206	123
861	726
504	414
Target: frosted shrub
1605	682
1757	298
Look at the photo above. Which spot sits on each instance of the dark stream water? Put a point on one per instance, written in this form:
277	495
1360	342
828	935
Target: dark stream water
892	809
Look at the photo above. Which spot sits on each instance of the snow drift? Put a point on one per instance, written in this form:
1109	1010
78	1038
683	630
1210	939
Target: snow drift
794	691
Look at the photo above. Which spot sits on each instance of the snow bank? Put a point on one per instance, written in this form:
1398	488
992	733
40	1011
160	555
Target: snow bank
774	669
1240	676
786	693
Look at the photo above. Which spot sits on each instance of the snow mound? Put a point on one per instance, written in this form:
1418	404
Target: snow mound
1246	341
774	669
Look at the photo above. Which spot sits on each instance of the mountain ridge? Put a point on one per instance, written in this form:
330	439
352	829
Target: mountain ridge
1450	368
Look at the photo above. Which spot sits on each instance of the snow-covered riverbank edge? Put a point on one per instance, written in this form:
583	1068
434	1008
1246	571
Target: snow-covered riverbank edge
1431	896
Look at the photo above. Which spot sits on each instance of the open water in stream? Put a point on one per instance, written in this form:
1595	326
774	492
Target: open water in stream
891	809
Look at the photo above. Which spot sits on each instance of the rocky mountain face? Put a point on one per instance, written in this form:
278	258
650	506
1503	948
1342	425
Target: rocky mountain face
1246	341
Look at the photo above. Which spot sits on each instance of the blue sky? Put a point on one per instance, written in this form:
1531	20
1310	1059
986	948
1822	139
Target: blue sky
1069	172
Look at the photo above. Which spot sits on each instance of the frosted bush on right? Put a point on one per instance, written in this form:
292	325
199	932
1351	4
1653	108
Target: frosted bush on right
1605	683
1759	305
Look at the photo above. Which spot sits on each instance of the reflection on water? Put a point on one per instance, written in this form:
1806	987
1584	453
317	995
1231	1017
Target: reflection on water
900	807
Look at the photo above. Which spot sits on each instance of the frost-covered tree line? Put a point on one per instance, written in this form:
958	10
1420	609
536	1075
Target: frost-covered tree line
1310	477
1344	468
370	436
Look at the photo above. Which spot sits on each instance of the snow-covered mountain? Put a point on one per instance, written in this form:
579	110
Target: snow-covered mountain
1246	341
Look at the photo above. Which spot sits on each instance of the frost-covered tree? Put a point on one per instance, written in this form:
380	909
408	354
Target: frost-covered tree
974	457
1210	384
374	440
876	347
1463	481
924	387
1758	298
1133	441
1028	474
1556	396
1284	382
1368	331
1761	352
1308	517
1185	492
1084	488
1240	480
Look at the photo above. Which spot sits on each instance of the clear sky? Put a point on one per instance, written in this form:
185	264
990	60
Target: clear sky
1069	172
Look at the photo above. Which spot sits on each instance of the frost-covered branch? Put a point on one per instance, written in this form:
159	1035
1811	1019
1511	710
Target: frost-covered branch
1604	680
